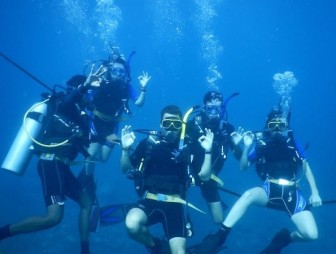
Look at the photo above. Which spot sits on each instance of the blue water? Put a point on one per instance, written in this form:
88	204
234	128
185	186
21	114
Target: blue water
187	47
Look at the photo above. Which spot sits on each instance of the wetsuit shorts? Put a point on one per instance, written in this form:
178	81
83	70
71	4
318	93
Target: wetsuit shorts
58	182
285	198
210	191
170	215
104	129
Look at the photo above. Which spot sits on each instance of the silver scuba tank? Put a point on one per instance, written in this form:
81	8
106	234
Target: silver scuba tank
21	150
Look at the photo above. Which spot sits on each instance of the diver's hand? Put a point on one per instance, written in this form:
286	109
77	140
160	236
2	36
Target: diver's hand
94	79
206	140
315	200
143	79
248	138
237	135
127	137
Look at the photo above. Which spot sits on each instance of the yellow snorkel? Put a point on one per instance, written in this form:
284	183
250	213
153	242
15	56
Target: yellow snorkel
184	126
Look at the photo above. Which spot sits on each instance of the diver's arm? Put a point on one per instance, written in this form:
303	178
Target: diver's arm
127	140
143	79
140	101
248	141
205	172
314	199
244	162
206	142
125	162
236	137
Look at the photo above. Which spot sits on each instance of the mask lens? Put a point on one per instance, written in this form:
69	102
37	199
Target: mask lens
118	72
169	124
277	125
212	110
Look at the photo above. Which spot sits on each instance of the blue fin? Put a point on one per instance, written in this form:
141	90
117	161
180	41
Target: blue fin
113	214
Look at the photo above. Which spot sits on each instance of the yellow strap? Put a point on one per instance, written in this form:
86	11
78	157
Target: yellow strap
217	179
281	181
170	198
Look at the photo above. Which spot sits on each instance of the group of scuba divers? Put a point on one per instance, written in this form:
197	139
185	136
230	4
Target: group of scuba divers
188	150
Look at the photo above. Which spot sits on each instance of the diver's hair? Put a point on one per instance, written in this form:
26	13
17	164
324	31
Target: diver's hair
171	109
212	95
120	60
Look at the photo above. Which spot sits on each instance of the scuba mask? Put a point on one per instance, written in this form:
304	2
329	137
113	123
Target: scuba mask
171	124
277	124
117	72
171	128
213	112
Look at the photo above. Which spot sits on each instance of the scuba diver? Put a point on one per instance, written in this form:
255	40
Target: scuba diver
162	182
109	102
213	116
280	163
65	134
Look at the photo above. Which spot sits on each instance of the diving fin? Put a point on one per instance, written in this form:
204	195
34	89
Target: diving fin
211	244
279	241
113	214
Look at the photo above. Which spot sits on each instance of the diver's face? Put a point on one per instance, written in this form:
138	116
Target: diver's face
213	109
117	71
277	124
171	126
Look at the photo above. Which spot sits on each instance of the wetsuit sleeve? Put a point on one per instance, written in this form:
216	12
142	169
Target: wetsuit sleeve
300	150
253	154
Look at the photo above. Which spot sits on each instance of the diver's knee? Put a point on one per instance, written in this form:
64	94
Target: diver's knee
132	224
311	235
53	220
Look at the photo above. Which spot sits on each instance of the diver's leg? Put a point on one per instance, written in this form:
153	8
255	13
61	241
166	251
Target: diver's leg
136	220
216	210
178	245
213	242
85	202
35	223
94	150
255	196
306	227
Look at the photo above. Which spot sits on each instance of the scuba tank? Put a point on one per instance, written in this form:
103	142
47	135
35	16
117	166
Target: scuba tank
21	150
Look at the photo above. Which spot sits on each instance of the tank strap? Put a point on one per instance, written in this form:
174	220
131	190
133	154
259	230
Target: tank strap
170	198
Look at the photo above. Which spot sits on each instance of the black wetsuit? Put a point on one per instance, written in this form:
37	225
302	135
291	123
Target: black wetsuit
279	158
66	122
162	175
222	144
110	101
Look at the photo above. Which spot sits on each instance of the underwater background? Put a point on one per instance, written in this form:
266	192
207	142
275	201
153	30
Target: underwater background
188	47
